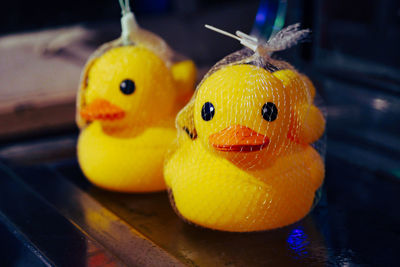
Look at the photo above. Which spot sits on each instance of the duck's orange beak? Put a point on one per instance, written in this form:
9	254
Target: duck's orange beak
101	109
238	138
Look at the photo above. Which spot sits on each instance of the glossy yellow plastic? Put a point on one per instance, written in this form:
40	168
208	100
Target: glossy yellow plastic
125	137
271	180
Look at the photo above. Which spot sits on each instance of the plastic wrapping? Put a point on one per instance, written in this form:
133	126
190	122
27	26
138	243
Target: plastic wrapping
131	90
249	152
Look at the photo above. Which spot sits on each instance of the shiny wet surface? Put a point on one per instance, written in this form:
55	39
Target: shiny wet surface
356	222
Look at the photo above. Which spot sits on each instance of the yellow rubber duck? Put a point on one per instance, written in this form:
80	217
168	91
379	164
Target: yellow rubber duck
246	163
128	99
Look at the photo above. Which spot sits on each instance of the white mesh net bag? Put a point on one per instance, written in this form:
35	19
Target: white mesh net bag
131	90
249	152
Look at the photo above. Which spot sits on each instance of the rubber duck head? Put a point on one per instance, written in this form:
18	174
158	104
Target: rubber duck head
242	112
128	83
127	88
251	108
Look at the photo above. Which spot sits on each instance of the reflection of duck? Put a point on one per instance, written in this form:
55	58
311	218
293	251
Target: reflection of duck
130	96
248	165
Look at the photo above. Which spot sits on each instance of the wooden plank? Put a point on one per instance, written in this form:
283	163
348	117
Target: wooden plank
39	75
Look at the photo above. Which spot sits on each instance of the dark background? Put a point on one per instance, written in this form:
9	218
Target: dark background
369	29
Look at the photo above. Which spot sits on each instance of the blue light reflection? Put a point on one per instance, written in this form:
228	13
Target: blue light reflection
270	18
261	14
298	242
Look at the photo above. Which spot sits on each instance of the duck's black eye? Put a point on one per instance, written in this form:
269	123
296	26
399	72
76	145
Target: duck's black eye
207	111
269	111
127	87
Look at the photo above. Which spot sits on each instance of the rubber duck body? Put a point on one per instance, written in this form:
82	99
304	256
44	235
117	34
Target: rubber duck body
243	160
129	96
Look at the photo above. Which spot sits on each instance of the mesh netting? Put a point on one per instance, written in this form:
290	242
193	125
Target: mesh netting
249	152
131	90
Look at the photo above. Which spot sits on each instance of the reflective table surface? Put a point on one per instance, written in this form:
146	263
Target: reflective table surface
50	214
